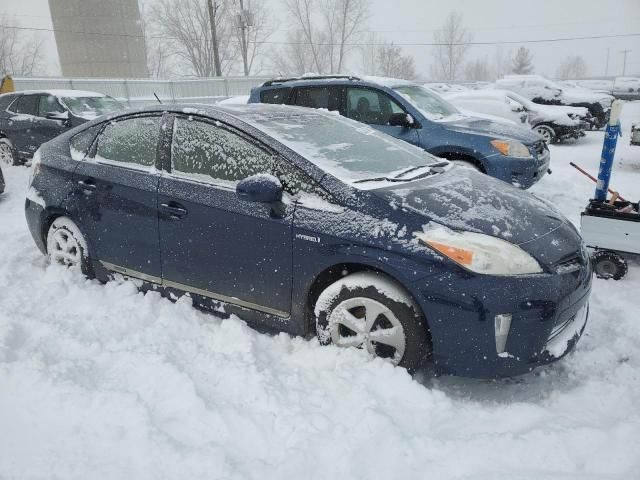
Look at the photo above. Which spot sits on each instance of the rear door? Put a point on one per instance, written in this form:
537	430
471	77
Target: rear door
213	243
116	196
375	108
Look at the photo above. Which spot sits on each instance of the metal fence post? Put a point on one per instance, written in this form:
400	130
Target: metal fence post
126	92
226	87
608	151
172	91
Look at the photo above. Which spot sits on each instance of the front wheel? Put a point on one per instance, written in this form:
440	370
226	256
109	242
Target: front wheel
367	310
7	152
67	246
547	133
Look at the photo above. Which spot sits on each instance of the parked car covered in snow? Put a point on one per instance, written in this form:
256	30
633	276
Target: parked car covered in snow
307	222
552	122
419	116
30	118
547	92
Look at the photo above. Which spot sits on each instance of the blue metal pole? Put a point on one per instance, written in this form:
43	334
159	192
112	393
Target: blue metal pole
608	151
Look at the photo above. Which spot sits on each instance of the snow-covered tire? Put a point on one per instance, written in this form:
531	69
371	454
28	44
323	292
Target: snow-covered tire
368	310
67	246
547	133
466	164
609	265
8	154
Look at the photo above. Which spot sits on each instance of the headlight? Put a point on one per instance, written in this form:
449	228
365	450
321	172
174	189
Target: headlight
511	148
478	252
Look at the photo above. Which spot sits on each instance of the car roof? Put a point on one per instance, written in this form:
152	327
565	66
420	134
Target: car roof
337	80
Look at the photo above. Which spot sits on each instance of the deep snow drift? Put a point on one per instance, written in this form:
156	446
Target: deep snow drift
105	382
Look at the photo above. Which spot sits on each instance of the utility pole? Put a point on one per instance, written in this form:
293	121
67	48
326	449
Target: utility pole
606	68
245	20
624	61
214	38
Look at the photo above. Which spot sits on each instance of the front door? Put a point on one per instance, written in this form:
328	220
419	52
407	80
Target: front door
375	108
115	199
213	243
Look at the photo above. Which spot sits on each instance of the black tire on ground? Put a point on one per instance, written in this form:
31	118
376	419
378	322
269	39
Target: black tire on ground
8	155
381	317
547	133
66	245
609	265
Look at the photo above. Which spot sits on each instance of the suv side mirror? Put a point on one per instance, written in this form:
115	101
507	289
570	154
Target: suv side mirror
64	116
261	188
401	120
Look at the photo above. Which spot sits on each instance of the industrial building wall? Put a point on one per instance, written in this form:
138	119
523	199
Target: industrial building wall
98	38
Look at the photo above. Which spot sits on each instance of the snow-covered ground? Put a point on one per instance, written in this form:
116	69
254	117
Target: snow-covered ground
103	382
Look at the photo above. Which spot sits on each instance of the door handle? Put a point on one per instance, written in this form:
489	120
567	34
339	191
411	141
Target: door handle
87	185
175	210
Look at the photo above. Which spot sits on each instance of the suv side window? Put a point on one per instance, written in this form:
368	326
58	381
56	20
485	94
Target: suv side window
370	106
274	95
131	142
209	152
319	97
49	104
27	105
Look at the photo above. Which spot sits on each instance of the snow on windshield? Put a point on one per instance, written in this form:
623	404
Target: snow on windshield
347	150
430	105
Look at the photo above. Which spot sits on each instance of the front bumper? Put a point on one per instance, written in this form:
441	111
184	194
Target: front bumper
549	313
527	172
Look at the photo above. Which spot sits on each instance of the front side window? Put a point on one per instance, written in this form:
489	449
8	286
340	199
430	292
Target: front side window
26	105
90	107
370	106
49	104
208	152
297	183
80	143
131	142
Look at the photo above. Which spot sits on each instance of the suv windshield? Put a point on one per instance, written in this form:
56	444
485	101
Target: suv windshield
91	106
430	104
350	151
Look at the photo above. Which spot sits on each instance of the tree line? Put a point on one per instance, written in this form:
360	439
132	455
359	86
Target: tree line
207	38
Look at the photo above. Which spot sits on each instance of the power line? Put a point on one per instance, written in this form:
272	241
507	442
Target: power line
363	44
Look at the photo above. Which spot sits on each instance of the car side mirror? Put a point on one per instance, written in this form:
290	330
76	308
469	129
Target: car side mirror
261	188
64	116
401	120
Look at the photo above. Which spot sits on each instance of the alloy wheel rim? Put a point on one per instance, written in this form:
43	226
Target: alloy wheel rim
6	156
66	249
545	133
366	323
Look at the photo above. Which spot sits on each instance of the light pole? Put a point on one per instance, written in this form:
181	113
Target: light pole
245	20
624	60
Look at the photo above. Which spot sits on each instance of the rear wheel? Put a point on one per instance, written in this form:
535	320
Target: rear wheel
369	311
67	246
7	152
609	265
547	133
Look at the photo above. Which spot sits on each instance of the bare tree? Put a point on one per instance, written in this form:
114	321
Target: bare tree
522	62
453	42
392	63
477	70
20	55
303	12
295	58
187	35
501	62
573	66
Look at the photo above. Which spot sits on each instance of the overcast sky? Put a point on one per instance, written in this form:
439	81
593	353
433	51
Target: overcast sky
414	21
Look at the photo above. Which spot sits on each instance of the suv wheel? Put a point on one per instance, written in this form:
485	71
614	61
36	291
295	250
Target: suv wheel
367	310
67	246
7	152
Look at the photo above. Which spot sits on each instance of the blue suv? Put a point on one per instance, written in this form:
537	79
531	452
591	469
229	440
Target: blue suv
419	116
303	221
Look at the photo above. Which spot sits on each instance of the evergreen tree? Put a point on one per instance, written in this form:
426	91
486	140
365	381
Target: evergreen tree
523	62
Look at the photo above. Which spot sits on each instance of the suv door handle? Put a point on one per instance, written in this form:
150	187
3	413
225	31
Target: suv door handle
175	210
87	185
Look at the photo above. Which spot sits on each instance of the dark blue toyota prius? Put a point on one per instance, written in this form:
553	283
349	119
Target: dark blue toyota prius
310	223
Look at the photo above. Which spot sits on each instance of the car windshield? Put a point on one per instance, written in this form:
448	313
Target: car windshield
92	106
430	104
352	152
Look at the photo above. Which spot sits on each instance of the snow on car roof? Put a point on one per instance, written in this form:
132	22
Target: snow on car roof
63	93
388	81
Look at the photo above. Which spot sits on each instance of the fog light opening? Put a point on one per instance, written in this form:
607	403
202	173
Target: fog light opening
502	323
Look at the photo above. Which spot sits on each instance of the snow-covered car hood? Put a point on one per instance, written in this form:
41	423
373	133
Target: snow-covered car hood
469	124
463	199
578	95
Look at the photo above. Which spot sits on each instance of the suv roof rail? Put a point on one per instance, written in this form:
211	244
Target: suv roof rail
277	81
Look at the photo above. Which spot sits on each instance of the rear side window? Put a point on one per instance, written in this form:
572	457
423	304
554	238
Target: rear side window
319	97
131	142
206	152
5	101
27	105
81	143
274	95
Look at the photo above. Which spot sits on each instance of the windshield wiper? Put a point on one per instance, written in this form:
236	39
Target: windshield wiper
399	177
413	169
